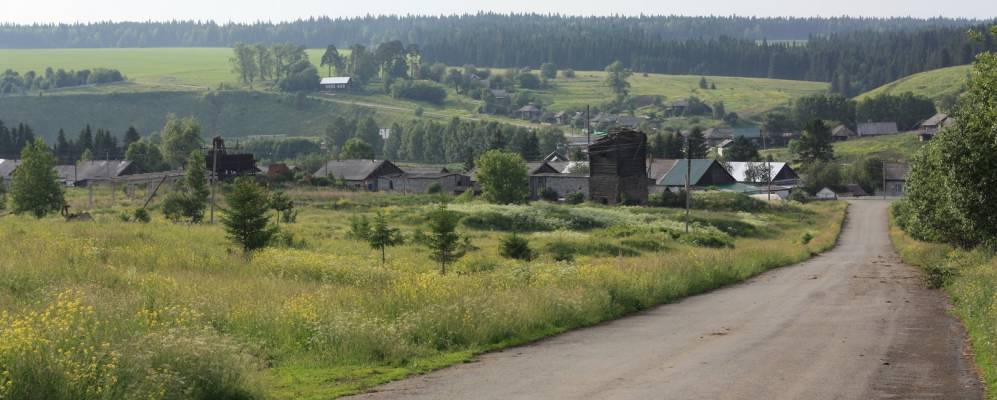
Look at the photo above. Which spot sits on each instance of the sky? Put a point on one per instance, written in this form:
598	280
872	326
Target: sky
23	12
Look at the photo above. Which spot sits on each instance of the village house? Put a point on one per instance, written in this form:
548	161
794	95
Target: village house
842	133
931	126
335	83
896	178
84	172
562	184
716	136
877	128
528	112
826	194
780	172
416	182
617	170
671	174
358	174
499	94
7	168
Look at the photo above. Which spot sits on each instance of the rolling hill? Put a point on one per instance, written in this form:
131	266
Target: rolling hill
932	84
163	80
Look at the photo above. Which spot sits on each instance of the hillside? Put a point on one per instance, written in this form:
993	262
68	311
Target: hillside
932	84
895	147
177	80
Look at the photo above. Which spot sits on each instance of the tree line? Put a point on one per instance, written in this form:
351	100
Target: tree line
13	82
317	32
906	109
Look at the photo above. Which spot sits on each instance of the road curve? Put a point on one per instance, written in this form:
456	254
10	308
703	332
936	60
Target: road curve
853	323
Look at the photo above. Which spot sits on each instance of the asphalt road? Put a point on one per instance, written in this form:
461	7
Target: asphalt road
853	323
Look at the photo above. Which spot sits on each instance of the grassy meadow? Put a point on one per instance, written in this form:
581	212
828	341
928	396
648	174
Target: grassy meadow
113	309
932	84
183	75
969	277
901	147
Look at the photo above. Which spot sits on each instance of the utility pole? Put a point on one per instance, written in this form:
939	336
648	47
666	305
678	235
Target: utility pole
688	177
588	124
214	176
768	167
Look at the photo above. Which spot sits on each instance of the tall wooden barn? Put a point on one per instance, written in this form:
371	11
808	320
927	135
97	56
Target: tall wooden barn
617	169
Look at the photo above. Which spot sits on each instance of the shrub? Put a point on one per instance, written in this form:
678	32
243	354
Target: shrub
427	91
568	73
799	195
141	215
806	238
726	201
702	238
516	247
646	243
359	228
566	250
668	199
435	188
549	194
574	198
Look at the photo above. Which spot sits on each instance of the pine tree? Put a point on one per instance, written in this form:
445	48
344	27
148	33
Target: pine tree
382	236
444	241
188	201
246	221
35	187
131	136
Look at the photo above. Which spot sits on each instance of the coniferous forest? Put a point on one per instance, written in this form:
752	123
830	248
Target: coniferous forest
854	54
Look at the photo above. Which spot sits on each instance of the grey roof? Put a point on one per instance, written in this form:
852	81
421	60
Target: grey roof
676	175
335	80
86	170
659	168
499	93
739	169
680	103
566	167
528	108
896	172
351	170
877	128
935	120
628	120
422	170
725	143
842	131
7	167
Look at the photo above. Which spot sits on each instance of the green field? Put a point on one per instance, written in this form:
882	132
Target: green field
931	84
892	147
184	68
135	310
196	70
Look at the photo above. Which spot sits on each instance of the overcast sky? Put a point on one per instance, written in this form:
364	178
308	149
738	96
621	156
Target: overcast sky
20	11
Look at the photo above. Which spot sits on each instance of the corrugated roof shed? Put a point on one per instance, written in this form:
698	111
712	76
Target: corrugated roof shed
7	167
354	170
88	170
335	80
842	131
877	128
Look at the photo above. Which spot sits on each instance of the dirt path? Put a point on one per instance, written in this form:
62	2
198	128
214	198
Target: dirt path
853	323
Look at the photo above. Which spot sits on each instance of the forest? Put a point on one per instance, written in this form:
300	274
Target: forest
854	54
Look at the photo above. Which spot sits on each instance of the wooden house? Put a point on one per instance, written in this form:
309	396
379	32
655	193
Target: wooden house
704	173
528	112
877	128
842	133
931	126
358	174
335	83
617	170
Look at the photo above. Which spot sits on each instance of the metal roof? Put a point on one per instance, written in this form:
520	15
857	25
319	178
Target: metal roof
877	128
739	169
86	170
935	120
676	175
335	80
351	170
7	167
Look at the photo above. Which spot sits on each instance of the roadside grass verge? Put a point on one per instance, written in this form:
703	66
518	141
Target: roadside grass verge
969	277
109	309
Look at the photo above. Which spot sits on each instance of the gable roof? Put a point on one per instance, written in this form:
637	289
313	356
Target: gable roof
877	128
335	80
423	170
739	169
896	172
351	170
87	170
499	93
935	120
842	131
628	120
7	167
528	108
659	167
676	174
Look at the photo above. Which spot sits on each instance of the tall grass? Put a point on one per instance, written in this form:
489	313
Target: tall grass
970	279
116	310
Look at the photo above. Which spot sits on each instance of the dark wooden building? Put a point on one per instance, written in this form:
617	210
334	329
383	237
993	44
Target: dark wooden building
617	169
229	164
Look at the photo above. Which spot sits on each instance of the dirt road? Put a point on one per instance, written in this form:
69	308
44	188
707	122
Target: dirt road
853	323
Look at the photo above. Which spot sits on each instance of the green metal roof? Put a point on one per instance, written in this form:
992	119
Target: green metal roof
676	176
